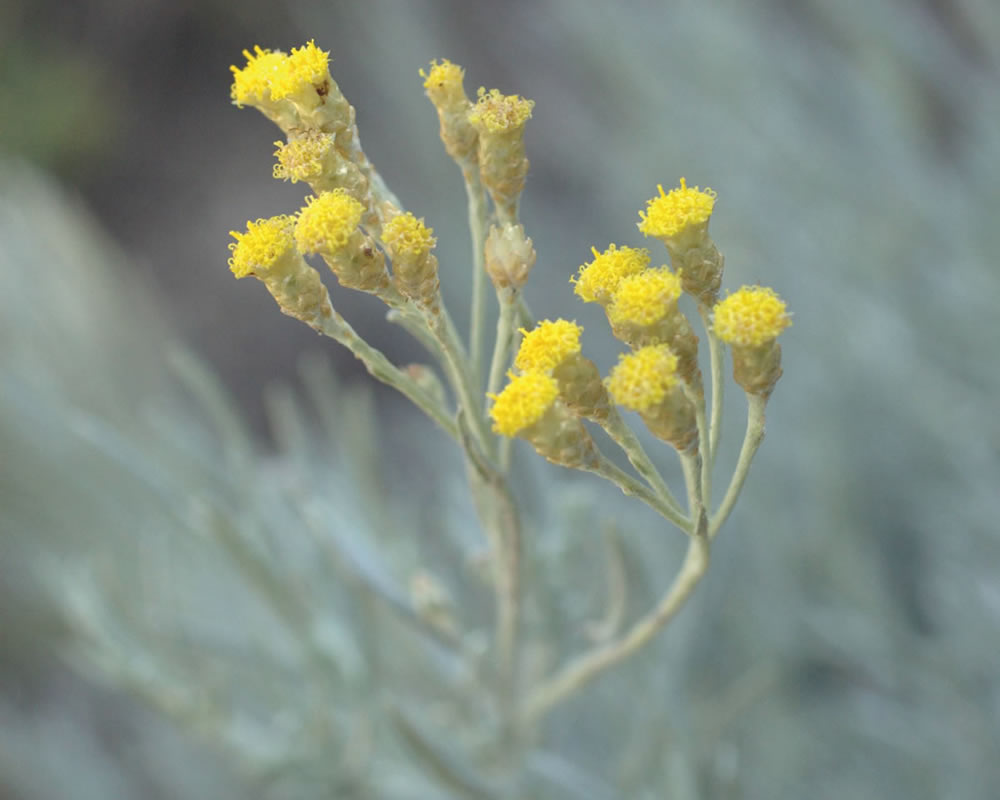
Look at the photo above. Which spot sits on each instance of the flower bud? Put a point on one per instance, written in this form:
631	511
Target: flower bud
509	256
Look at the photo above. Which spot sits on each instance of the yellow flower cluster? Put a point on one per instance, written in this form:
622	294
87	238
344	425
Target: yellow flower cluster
645	298
301	159
523	402
405	234
265	243
669	214
443	81
598	281
750	317
499	113
327	222
642	380
274	75
548	345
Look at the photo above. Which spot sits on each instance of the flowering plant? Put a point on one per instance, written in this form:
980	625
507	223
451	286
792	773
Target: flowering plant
553	395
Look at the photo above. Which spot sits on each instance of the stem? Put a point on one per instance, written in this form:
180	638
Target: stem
380	368
630	486
587	666
478	211
626	439
751	441
715	365
501	347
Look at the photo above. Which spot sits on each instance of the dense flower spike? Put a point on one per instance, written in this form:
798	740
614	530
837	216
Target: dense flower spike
328	225
554	348
598	280
529	407
750	320
443	83
680	220
503	167
646	381
267	251
414	268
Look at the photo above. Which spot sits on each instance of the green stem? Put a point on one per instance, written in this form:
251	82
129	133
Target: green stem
501	347
630	486
715	365
751	441
626	439
478	218
588	665
380	368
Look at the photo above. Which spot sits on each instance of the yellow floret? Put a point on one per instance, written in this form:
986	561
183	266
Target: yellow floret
407	235
548	345
498	112
645	298
750	317
306	66
669	214
327	222
302	159
598	280
523	402
443	77
641	380
265	242
254	80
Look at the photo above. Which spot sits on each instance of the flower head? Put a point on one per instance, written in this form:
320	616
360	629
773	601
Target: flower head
598	280
306	67
548	345
499	113
750	317
642	380
645	298
443	82
673	212
252	82
327	222
265	243
301	159
405	234
523	402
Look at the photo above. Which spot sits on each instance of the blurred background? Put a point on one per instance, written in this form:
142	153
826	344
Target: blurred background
855	148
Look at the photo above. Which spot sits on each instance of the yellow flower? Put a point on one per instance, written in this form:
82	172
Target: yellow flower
327	222
645	298
750	317
250	83
598	280
523	402
498	113
302	159
407	235
642	380
670	214
265	243
548	345
444	82
307	66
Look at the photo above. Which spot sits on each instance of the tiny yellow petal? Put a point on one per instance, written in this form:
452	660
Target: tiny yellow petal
598	280
265	242
750	317
641	380
548	345
327	222
669	214
252	82
523	402
305	66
